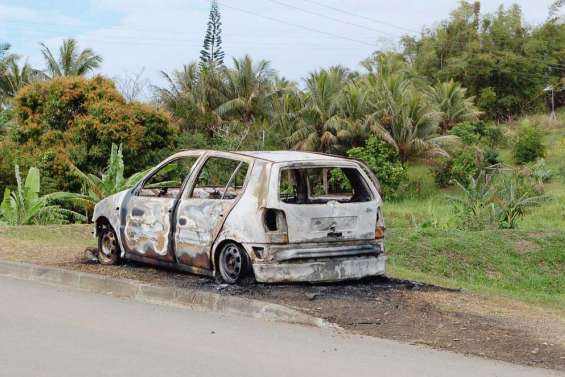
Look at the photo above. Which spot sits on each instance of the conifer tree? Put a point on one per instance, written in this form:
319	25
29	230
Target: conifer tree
212	47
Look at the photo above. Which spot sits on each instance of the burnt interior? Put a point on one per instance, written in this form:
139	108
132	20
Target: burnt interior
319	185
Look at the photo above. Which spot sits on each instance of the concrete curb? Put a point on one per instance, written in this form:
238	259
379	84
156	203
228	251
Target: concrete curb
131	289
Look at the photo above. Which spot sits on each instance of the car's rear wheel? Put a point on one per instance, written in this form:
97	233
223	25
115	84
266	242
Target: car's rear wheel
108	246
233	263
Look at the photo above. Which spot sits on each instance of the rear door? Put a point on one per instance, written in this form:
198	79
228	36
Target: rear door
327	204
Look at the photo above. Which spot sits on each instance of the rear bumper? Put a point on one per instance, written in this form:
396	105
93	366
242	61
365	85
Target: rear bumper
320	270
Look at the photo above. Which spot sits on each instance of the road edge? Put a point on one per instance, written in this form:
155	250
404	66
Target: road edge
142	292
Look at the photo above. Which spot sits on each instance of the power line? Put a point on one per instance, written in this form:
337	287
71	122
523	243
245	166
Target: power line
298	25
331	18
359	16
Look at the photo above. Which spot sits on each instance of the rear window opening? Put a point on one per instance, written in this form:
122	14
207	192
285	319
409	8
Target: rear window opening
320	185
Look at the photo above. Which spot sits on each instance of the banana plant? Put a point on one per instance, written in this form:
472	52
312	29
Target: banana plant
112	181
25	206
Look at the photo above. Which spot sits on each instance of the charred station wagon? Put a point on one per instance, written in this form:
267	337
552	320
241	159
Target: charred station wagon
280	216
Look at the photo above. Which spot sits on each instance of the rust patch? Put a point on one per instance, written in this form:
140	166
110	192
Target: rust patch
200	260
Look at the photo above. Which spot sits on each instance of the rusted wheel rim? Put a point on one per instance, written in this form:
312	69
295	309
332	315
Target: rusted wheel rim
232	261
108	244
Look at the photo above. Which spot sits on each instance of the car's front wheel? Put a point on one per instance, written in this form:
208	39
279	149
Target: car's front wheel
233	263
108	246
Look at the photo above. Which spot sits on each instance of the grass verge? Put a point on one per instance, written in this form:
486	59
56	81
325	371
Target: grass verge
522	264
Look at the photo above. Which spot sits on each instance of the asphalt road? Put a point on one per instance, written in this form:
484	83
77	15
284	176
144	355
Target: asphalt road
50	331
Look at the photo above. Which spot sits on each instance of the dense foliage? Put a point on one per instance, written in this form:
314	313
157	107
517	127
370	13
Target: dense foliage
502	61
384	161
76	120
25	205
529	144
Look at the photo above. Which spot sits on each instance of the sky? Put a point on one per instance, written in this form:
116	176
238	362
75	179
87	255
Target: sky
297	36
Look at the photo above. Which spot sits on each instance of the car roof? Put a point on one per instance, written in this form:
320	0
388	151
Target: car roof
274	156
290	156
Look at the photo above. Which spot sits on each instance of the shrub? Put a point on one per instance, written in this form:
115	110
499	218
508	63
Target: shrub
514	195
73	119
540	172
471	133
467	163
25	206
442	172
502	200
473	208
493	135
467	132
384	161
529	144
491	156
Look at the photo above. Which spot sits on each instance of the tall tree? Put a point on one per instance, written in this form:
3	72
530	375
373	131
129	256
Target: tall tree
212	52
247	88
71	61
320	123
454	106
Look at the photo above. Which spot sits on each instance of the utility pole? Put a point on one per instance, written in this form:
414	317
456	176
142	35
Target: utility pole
552	115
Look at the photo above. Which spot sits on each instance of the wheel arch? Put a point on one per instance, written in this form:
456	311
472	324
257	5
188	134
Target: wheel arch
218	245
102	221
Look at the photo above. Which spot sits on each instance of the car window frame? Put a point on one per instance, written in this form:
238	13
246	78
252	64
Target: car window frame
318	164
187	194
137	189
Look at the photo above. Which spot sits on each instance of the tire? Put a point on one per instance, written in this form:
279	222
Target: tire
108	246
233	263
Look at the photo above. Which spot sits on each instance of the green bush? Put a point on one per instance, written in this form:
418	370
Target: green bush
442	172
460	168
540	172
76	120
467	132
491	156
514	194
471	133
493	135
529	144
384	161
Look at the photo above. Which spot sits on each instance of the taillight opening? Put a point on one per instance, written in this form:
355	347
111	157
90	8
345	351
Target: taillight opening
274	220
276	230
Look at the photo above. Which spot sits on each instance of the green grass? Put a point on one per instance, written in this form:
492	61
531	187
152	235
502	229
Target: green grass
77	235
525	265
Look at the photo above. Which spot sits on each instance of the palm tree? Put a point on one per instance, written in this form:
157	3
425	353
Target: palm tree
450	100
247	88
404	118
71	61
320	119
16	77
193	94
25	206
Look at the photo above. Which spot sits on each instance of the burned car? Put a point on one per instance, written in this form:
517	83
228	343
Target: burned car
283	216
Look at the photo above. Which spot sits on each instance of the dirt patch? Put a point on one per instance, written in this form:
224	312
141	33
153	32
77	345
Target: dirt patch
491	327
526	246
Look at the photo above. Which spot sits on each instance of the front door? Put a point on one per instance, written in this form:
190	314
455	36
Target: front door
148	213
201	213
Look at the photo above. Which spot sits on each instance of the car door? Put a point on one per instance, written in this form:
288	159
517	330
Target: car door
148	212
205	205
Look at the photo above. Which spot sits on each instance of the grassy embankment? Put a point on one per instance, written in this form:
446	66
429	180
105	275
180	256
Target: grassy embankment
527	263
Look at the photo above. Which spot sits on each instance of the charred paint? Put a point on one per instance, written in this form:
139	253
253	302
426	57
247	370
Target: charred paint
320	242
